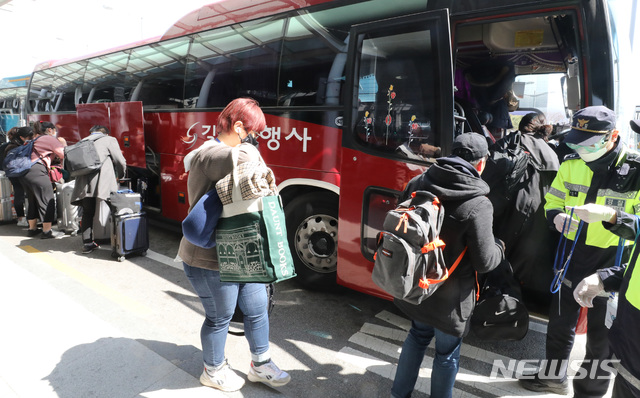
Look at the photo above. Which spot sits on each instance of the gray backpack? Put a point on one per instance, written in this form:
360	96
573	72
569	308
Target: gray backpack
82	157
409	264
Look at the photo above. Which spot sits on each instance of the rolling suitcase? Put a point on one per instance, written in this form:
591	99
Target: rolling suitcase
6	210
129	234
7	214
5	186
129	226
67	213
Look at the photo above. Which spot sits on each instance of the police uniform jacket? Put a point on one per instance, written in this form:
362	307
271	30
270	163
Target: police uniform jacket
626	281
614	181
467	223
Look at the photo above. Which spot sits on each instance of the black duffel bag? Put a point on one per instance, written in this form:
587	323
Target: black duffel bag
500	314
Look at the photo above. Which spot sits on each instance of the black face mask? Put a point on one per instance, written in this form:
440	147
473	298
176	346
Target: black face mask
250	139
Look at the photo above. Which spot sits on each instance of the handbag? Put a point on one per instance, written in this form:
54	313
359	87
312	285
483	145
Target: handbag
200	224
251	236
55	173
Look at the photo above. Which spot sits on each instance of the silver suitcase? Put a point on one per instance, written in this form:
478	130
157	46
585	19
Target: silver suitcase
67	213
6	210
5	186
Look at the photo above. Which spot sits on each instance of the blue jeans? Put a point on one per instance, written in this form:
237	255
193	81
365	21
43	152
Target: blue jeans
445	364
219	300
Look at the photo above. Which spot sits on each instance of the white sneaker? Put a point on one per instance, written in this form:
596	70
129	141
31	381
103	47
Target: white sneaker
269	374
22	222
224	379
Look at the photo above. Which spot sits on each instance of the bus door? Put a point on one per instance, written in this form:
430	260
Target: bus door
124	120
399	118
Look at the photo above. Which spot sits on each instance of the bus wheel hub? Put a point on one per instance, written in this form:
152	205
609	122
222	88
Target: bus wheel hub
317	241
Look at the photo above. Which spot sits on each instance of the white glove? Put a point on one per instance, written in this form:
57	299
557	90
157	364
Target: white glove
587	289
593	213
558	221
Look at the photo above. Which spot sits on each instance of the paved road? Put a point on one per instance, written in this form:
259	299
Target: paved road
79	326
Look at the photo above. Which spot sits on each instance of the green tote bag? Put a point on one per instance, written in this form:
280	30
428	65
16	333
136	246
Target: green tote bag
251	237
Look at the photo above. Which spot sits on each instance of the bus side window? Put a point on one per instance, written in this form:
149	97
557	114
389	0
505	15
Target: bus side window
242	64
312	66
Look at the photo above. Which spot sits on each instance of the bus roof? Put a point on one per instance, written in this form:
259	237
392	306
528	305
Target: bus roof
227	12
217	14
57	62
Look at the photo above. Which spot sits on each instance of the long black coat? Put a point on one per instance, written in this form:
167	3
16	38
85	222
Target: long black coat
467	223
521	224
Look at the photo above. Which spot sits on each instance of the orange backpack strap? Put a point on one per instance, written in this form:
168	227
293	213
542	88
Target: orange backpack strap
477	288
425	282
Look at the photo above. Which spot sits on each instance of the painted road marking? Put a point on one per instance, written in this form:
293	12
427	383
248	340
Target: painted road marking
375	338
92	283
161	258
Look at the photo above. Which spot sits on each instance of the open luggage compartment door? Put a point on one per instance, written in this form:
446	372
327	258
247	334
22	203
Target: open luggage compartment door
126	122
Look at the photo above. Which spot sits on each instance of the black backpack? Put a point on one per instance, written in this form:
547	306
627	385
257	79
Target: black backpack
82	157
506	165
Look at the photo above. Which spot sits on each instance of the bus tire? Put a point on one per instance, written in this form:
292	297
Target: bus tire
312	229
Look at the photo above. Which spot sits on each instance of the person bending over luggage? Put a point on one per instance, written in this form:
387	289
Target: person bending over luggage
445	315
17	137
237	125
48	128
519	218
40	196
98	185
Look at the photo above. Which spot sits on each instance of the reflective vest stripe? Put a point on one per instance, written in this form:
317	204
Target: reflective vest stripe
576	187
631	379
556	192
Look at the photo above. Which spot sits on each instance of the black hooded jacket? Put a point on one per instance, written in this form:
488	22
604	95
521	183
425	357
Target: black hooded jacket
467	223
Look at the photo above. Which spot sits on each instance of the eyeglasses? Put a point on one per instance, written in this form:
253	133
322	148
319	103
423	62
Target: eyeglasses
593	147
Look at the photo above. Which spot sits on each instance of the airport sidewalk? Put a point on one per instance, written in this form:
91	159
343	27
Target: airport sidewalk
53	346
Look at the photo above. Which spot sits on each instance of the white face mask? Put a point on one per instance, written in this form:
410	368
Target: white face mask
591	156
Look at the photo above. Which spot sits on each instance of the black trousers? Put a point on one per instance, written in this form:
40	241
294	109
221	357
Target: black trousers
88	213
623	389
40	194
18	196
561	336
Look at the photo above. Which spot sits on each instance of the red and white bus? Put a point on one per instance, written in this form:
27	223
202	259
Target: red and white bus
359	96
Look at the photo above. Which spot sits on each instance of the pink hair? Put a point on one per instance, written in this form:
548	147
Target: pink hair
245	110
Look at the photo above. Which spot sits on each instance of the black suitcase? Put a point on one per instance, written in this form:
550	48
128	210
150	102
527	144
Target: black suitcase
125	201
129	235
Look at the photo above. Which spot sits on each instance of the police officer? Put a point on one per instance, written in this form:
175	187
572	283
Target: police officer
602	171
623	334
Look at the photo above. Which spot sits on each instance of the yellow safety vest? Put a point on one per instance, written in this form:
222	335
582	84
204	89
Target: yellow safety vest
633	290
570	188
